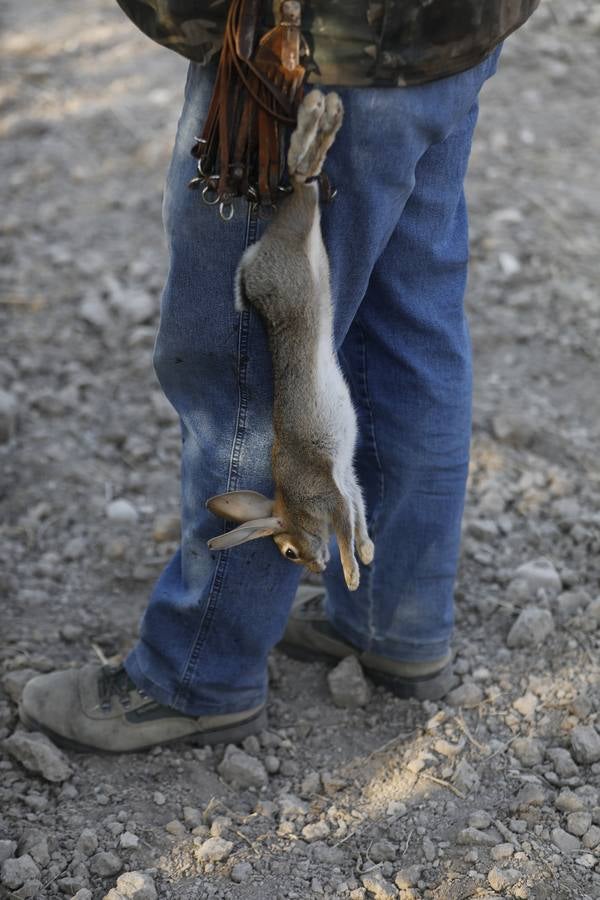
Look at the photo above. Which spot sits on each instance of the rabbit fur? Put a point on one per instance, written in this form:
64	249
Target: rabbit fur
285	278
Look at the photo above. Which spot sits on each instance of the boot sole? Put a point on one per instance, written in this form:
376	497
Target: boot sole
427	687
231	734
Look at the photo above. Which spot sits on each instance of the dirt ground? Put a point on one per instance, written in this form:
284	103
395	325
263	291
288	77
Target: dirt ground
494	792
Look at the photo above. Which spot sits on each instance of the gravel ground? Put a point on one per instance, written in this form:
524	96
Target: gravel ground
494	792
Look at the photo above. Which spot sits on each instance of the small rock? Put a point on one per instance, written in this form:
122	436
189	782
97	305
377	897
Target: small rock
539	574
347	684
562	762
585	742
480	818
71	633
396	809
378	887
14	682
272	764
502	851
16	872
8	416
532	626
166	528
568	801
383	850
93	310
509	264
467	695
192	816
159	798
465	778
429	850
83	894
136	886
242	770
87	843
408	878
315	831
176	827
130	841
528	751
38	754
591	839
105	863
7	850
501	879
530	795
122	510
566	843
526	705
311	784
136	305
241	872
578	823
215	849
473	837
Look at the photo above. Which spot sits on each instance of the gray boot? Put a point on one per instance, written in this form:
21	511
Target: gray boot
310	636
98	708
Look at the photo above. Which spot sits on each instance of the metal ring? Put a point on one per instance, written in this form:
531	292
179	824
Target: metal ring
206	189
200	140
202	172
226	205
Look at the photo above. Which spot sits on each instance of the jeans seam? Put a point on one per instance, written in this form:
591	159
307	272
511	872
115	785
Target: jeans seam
369	409
232	479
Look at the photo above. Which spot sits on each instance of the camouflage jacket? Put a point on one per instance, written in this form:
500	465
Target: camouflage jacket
353	42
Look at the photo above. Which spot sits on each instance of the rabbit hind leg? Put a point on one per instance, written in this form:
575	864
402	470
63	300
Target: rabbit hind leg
303	137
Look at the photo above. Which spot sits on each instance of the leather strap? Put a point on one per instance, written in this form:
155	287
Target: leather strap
258	88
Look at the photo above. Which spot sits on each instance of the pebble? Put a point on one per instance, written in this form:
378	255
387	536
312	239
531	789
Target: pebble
242	770
136	305
396	809
241	872
159	798
136	886
568	801
578	823
122	510
192	816
176	827
105	863
539	574
311	784
14	682
383	850
130	841
87	843
348	685
16	872
528	751
407	878
531	627
166	528
38	754
566	843
591	839
215	849
526	705
501	879
291	806
465	778
480	818
562	762
83	894
502	851
7	850
272	764
467	695
8	416
93	310
315	831
473	837
376	885
585	743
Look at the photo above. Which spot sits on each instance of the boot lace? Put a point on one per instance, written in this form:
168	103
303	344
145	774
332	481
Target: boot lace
115	682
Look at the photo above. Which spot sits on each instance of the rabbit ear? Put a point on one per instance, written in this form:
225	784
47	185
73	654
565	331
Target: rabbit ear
248	532
240	506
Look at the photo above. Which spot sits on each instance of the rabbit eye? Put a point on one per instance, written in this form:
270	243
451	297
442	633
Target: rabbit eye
291	554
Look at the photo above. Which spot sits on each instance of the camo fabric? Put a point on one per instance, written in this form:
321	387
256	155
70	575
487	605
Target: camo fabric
353	42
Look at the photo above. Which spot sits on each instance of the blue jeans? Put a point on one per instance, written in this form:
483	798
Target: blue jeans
398	245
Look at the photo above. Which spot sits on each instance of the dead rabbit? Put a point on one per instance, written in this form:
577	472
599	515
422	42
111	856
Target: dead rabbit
285	278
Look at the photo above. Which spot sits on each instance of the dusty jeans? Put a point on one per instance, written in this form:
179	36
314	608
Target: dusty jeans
398	244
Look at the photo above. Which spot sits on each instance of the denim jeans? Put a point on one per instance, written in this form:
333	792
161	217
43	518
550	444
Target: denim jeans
398	245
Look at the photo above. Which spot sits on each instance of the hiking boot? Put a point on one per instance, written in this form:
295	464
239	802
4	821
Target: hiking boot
309	636
98	708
